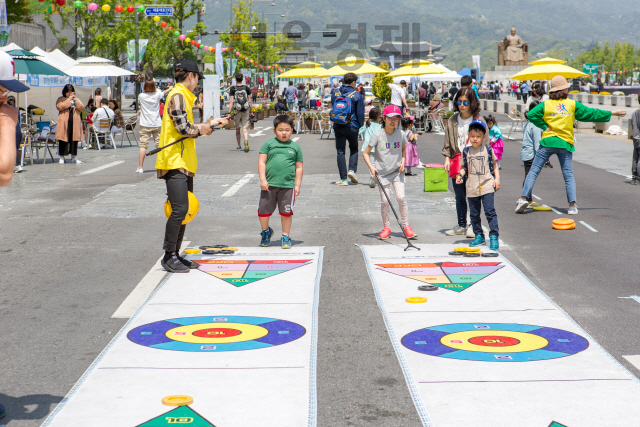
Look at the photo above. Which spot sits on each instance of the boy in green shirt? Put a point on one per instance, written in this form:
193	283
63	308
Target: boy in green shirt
280	169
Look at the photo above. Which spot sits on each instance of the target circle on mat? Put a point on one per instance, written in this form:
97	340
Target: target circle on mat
495	342
216	333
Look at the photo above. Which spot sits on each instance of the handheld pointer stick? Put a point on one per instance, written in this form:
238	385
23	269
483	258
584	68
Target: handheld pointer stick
157	150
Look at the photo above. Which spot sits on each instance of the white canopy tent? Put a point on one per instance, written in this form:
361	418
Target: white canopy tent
94	66
447	76
10	46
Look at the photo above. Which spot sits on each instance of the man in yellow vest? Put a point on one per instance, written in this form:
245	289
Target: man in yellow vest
556	117
177	164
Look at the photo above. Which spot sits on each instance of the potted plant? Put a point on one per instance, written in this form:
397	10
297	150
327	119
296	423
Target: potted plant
446	117
272	109
308	120
257	110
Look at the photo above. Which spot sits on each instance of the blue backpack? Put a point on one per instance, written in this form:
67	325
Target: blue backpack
341	110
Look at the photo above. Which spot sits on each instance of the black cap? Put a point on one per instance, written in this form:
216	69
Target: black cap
189	66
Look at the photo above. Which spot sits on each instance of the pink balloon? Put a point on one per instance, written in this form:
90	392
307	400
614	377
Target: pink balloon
92	7
206	47
182	37
224	49
237	53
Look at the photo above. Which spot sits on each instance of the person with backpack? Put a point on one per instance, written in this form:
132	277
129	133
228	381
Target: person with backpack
242	110
347	115
290	96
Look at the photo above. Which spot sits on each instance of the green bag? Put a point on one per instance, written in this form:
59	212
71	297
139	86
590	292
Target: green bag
436	179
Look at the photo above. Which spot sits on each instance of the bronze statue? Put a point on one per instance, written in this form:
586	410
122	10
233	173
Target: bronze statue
512	50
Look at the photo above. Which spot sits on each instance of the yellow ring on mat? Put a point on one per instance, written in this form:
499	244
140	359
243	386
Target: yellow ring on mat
229	249
192	251
177	400
416	300
528	342
467	250
185	333
541	208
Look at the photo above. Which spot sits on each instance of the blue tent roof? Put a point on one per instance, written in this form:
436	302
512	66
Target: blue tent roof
465	72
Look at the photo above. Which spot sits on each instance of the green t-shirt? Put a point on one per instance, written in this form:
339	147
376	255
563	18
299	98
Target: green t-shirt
281	162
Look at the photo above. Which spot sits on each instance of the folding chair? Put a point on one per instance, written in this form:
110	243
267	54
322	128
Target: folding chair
25	145
45	139
104	130
515	120
129	127
325	125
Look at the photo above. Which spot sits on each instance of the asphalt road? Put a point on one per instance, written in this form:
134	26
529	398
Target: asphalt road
74	246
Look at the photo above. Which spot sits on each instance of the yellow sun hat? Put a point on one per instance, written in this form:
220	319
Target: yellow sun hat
194	206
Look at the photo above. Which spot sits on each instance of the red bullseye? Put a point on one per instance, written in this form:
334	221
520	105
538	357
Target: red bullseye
217	333
494	341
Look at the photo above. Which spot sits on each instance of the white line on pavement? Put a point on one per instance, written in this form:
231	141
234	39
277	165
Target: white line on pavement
633	297
536	197
588	226
621	174
558	212
259	133
142	291
108	165
235	187
295	139
634	360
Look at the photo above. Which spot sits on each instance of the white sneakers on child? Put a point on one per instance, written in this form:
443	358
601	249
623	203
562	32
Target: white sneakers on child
139	170
573	210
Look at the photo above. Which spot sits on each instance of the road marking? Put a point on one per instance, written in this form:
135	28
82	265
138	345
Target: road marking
536	197
588	226
259	133
633	297
142	291
558	212
295	139
634	360
235	187
108	165
621	174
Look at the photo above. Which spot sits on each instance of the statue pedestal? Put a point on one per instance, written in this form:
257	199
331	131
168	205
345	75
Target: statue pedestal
502	73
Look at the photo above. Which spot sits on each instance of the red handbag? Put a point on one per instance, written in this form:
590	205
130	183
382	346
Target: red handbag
455	165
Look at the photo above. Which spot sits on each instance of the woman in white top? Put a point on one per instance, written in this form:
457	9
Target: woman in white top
150	121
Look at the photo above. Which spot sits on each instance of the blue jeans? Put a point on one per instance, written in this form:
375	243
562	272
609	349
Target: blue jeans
460	192
542	156
489	212
291	104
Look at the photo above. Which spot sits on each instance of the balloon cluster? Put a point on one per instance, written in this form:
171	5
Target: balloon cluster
92	7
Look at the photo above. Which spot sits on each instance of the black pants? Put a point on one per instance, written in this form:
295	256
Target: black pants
489	211
527	168
524	97
344	134
65	148
634	165
178	187
460	191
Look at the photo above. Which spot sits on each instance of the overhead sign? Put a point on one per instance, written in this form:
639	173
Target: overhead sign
159	10
235	36
590	68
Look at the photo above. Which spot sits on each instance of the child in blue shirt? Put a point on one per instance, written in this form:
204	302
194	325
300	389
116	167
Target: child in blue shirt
372	125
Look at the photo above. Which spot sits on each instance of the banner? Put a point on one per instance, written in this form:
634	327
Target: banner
476	61
38	80
231	66
4	25
392	62
211	96
219	63
131	52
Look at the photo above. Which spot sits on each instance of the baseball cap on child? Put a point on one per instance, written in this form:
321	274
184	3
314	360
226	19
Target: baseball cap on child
391	110
8	74
478	124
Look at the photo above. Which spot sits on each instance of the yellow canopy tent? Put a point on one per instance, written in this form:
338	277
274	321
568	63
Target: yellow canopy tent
547	60
547	72
416	67
304	69
352	65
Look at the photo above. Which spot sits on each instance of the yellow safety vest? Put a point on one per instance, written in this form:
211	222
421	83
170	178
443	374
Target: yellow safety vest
559	115
181	155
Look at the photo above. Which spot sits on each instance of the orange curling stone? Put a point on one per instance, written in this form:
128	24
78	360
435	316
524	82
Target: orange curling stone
564	224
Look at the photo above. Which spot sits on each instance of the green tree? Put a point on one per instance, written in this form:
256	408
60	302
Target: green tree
380	86
17	11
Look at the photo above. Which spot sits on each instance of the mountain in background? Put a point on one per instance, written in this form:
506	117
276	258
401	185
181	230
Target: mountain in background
462	27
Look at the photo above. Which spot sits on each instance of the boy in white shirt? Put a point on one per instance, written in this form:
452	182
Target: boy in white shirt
398	95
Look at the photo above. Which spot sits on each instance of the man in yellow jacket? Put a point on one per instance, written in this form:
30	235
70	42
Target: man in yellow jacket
177	164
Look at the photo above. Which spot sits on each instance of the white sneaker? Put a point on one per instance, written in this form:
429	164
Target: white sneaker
18	169
573	210
342	183
352	177
456	231
470	234
521	206
372	182
76	161
61	160
139	170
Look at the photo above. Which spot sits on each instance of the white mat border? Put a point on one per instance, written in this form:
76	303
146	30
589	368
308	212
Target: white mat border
422	412
313	398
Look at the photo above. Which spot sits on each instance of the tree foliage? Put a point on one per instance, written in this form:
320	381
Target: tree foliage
380	86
